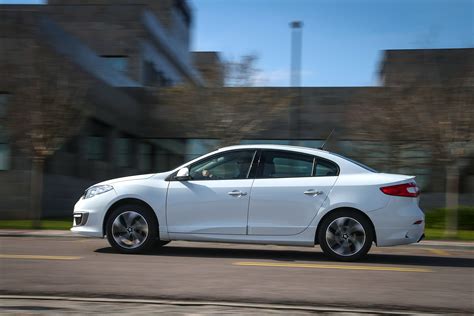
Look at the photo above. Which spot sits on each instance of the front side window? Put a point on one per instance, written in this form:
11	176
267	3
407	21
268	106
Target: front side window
281	164
225	166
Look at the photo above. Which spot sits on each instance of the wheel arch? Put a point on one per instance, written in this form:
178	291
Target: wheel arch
351	209
126	201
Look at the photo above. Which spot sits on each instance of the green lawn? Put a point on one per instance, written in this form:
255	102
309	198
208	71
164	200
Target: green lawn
436	233
56	224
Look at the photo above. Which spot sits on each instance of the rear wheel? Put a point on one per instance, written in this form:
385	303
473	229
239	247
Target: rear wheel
345	235
132	229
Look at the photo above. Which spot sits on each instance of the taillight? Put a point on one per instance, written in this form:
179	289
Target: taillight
404	189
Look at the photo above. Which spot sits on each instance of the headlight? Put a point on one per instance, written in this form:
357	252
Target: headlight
97	189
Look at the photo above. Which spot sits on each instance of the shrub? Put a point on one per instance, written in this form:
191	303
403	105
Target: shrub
436	218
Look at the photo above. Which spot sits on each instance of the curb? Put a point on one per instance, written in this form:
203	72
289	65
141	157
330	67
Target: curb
268	306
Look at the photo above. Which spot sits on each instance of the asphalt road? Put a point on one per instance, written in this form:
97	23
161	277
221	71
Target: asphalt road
415	278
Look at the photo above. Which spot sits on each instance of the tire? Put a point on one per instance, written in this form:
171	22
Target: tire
345	235
132	229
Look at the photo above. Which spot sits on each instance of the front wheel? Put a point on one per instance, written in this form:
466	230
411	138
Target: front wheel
345	235
132	229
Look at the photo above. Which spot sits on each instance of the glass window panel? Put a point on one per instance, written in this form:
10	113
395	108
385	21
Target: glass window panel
95	148
145	157
229	165
123	151
119	63
280	164
4	157
3	104
325	169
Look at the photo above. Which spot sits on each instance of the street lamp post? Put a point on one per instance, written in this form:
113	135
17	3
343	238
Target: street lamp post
295	80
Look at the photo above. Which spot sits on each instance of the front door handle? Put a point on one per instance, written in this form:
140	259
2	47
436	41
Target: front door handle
313	192
237	193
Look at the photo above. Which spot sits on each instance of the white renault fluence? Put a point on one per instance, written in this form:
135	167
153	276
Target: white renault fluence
262	194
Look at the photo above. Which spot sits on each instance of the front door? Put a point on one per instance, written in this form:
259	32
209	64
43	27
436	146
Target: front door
216	199
289	190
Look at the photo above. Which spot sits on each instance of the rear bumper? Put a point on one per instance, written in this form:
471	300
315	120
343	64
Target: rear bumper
400	236
398	223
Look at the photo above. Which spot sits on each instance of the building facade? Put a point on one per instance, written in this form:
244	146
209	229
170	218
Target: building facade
128	50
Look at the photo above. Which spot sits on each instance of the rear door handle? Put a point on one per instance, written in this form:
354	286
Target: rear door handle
237	193
313	192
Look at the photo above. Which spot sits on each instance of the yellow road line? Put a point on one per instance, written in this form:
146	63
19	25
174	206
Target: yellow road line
330	266
438	252
38	257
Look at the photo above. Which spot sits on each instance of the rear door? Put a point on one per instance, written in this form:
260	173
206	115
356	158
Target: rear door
289	189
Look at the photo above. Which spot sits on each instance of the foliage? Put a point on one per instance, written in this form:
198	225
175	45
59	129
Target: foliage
440	234
54	224
436	218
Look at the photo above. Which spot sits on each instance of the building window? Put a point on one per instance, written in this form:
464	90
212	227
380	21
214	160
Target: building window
152	77
95	148
124	150
3	105
4	146
145	157
4	156
119	63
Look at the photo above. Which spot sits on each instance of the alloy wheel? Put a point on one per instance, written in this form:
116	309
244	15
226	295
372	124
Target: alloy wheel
130	229
345	236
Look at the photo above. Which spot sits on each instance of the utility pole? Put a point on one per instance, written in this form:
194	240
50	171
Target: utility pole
295	80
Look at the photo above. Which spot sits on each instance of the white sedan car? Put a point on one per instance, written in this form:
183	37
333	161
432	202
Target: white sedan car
259	194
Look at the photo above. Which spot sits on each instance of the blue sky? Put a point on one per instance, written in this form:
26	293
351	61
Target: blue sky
342	39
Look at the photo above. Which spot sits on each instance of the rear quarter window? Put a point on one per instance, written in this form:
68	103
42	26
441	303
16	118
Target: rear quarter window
325	168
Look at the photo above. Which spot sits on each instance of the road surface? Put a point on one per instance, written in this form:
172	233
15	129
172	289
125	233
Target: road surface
419	277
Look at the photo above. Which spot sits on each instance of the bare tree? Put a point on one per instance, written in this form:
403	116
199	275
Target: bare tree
438	118
47	109
227	114
231	113
242	73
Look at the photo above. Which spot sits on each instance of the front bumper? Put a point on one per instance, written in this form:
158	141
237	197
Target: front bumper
91	213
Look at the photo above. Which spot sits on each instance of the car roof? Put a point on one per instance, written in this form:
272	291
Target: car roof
274	146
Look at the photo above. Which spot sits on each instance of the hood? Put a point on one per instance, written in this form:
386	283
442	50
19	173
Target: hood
138	177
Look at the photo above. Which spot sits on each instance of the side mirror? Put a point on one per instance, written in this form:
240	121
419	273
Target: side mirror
183	174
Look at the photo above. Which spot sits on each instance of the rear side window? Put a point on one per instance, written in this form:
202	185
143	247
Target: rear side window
325	168
281	164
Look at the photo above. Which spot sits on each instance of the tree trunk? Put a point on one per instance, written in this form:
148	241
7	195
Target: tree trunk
36	191
452	200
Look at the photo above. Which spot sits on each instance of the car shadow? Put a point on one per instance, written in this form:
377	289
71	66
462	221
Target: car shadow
296	255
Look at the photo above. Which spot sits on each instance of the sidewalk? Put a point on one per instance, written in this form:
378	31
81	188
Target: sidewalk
69	234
